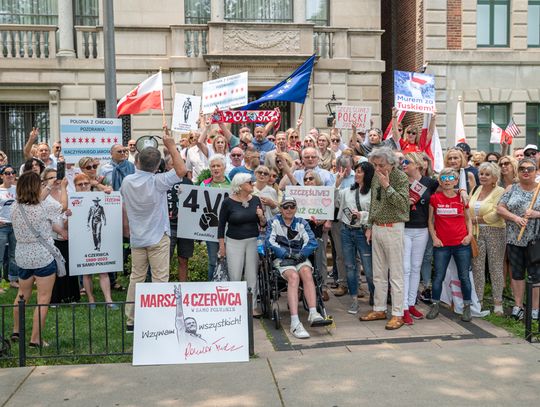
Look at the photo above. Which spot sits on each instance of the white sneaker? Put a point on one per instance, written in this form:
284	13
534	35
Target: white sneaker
315	318
299	331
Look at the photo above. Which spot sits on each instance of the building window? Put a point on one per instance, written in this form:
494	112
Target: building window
318	12
126	122
533	23
486	114
532	124
492	23
263	11
86	12
16	122
197	11
43	12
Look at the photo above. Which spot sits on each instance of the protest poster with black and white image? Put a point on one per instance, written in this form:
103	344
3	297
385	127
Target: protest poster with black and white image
414	92
185	112
95	232
198	211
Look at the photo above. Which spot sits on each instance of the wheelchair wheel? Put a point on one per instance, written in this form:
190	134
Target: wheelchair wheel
275	317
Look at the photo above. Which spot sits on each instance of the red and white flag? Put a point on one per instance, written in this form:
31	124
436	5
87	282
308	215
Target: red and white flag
497	134
434	148
512	130
460	128
147	95
400	116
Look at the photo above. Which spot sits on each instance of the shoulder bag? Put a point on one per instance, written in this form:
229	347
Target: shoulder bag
53	250
221	272
533	248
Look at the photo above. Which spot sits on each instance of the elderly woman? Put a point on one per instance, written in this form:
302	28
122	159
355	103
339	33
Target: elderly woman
8	193
266	194
217	180
89	166
451	230
242	215
309	141
353	204
514	208
293	140
36	263
509	171
326	154
489	230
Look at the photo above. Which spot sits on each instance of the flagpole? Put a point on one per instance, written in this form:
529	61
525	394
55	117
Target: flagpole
162	102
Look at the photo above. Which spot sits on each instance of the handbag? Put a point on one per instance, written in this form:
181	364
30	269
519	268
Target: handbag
53	250
474	247
221	273
533	248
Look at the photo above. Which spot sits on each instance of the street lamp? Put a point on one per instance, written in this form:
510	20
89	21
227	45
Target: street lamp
331	107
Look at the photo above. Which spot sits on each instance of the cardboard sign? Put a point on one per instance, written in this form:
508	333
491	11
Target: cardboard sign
346	116
414	92
199	207
95	233
180	323
185	112
225	93
313	201
88	137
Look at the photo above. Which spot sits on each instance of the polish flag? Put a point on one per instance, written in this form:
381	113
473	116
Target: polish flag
400	116
433	149
147	95
460	128
498	136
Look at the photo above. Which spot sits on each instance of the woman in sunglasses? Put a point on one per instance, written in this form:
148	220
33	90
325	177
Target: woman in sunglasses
326	154
450	227
416	235
293	140
8	194
514	208
509	171
89	166
410	139
266	194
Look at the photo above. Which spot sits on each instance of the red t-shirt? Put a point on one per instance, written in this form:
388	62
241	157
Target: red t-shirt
449	216
407	147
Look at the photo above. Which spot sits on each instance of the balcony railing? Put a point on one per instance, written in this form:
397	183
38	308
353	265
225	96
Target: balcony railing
27	41
87	42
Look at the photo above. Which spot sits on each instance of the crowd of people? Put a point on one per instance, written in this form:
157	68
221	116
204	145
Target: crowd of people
396	221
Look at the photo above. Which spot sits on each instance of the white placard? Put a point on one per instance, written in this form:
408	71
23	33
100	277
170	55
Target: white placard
198	209
95	233
225	93
179	323
313	201
89	137
414	92
359	115
185	112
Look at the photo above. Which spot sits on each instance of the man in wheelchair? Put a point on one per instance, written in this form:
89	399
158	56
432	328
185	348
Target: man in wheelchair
291	241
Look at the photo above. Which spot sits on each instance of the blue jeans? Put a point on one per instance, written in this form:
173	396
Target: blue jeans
354	241
441	258
212	249
425	270
8	237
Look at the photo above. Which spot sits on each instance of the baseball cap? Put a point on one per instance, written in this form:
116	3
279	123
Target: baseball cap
288	199
464	147
530	147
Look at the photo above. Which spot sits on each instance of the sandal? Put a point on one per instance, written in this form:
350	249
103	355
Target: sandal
118	287
37	345
15	337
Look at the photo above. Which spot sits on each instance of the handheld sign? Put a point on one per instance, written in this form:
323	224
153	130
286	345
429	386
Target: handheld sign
185	112
225	93
313	201
346	116
414	92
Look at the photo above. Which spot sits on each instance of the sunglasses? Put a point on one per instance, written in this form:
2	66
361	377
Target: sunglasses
411	132
310	157
527	169
530	153
289	206
264	174
91	167
492	161
504	164
121	151
294	137
236	155
405	162
82	184
309	179
8	173
48	179
271	139
335	140
400	129
448	177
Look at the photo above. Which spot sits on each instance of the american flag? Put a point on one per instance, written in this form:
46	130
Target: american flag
511	131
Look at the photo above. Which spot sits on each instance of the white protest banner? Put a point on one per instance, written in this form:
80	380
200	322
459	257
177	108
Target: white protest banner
198	211
95	233
346	116
414	92
313	201
225	93
185	112
89	137
179	323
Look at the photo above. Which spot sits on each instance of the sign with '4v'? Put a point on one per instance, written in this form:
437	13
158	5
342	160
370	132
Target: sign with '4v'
198	212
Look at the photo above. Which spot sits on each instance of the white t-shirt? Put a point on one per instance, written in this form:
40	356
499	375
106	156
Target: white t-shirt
7	197
196	161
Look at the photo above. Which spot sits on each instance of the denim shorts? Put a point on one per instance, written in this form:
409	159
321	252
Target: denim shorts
46	271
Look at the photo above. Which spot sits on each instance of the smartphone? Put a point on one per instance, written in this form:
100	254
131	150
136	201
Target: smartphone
350	216
60	170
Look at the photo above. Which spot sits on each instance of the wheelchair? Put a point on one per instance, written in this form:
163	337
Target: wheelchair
272	285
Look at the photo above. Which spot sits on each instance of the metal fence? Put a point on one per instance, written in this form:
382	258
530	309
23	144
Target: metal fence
529	334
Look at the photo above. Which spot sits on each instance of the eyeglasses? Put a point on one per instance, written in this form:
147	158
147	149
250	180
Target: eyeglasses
121	151
492	161
411	132
82	184
48	179
310	157
8	173
448	177
236	155
289	206
335	140
405	162
264	174
91	167
527	169
309	179
271	139
295	137
530	153
504	164
131	145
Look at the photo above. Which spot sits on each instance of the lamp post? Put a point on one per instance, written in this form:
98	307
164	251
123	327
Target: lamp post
331	107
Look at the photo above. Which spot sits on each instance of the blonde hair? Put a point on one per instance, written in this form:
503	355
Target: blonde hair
448	171
493	169
417	159
455	150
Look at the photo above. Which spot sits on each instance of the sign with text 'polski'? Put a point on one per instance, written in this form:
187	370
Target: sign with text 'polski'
311	202
180	323
414	92
225	93
95	233
198	211
89	137
359	116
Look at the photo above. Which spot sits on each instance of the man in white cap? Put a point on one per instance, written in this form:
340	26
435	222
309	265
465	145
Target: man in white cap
531	151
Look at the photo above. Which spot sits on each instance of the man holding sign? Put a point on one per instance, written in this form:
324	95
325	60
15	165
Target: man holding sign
146	216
